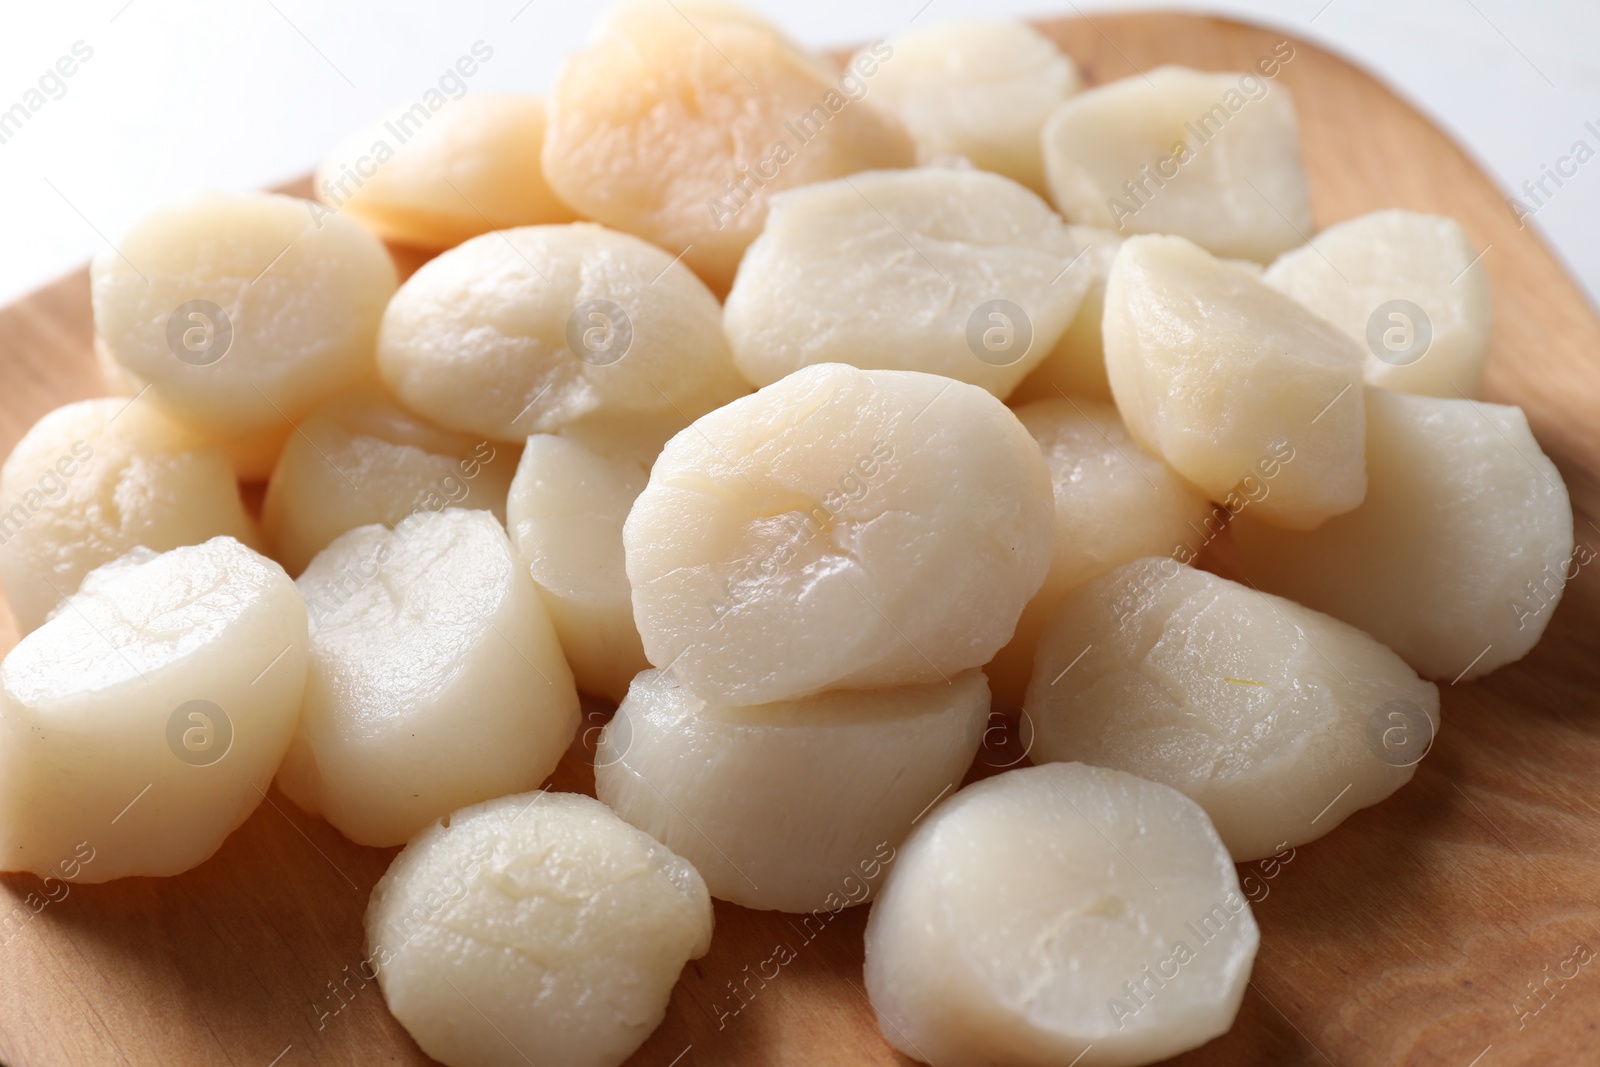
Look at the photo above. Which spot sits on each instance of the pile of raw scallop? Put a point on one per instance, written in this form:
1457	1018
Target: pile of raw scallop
856	432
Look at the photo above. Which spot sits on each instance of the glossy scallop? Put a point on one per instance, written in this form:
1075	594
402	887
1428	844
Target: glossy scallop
1460	552
1227	379
435	678
146	718
1057	913
537	927
1271	716
790	806
839	529
953	272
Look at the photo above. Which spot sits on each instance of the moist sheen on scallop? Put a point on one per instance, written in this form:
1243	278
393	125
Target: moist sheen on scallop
535	928
1270	715
1460	552
791	806
435	678
952	272
1076	366
839	529
1227	380
145	718
1057	913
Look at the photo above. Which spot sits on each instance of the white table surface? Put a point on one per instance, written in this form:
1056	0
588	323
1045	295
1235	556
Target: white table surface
187	94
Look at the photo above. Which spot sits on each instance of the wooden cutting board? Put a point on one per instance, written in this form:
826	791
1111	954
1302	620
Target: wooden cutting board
1410	934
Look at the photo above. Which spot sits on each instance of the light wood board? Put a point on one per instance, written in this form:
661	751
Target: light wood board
1405	936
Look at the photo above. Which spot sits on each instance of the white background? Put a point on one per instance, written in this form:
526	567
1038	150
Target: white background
186	94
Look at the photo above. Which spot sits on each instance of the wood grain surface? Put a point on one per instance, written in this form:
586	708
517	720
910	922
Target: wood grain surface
1414	933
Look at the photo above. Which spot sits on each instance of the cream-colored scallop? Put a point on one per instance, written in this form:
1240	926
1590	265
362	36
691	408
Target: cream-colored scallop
839	529
253	455
790	806
360	459
1222	377
618	16
635	439
954	272
1362	274
118	380
981	89
145	718
1211	157
536	329
435	678
536	928
1273	717
565	514
1059	914
432	180
698	13
1076	366
1459	554
96	478
678	128
1114	503
243	311
1248	266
